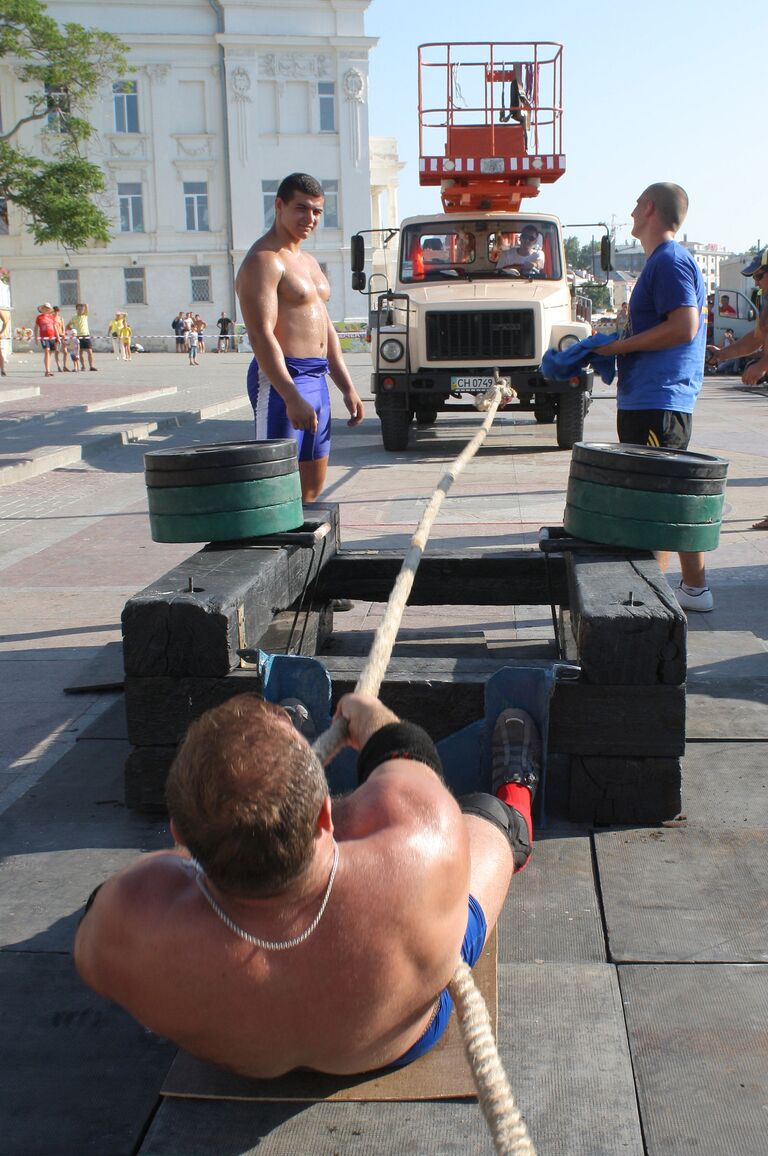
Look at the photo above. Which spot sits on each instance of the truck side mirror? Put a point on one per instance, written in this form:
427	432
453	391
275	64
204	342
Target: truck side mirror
357	254
358	281
606	254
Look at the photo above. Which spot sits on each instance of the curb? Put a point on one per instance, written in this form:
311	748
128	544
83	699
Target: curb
47	459
85	407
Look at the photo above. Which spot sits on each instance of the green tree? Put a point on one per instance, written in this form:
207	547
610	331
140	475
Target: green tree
572	251
64	67
598	294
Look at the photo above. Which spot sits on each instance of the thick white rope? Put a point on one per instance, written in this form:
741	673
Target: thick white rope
504	1120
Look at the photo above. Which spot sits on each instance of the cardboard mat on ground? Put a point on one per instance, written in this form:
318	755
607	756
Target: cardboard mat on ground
441	1074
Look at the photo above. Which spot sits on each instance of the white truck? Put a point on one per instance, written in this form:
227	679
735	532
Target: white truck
481	288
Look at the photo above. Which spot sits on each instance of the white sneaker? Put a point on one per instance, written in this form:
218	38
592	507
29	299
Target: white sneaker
702	602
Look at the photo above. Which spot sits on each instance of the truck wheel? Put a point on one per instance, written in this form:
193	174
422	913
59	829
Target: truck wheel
395	424
571	410
426	416
544	410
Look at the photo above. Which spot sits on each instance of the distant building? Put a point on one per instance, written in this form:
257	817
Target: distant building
223	99
631	259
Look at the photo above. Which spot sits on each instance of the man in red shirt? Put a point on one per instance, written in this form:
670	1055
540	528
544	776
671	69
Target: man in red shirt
45	333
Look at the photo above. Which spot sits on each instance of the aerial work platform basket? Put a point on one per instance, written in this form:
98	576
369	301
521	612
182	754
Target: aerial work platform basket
490	121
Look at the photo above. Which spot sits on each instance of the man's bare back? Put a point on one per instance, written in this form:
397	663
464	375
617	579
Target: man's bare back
355	996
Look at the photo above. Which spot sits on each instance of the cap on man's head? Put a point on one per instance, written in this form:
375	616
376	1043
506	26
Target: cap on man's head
46	305
760	261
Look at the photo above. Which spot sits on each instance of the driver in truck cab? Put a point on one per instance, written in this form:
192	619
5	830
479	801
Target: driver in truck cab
524	259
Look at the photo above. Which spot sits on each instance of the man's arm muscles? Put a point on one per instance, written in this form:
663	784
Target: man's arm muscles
680	328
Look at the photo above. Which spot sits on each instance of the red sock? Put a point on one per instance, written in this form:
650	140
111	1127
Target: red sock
518	796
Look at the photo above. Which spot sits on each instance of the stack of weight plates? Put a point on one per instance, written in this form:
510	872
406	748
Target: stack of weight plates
223	492
648	499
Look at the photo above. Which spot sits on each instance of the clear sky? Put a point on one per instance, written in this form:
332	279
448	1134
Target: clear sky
658	90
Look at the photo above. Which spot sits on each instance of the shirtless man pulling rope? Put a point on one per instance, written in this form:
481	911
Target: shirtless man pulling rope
310	932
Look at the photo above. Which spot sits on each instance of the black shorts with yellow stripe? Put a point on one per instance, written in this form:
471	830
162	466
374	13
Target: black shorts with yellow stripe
659	428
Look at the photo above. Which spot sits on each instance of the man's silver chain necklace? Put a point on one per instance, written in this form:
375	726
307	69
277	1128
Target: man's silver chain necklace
267	944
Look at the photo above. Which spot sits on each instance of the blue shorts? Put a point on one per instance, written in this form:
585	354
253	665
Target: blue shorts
269	408
474	942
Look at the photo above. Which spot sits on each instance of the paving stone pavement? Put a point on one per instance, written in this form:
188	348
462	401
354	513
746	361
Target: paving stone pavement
75	544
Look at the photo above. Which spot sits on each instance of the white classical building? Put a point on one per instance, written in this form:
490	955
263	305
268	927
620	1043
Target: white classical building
223	99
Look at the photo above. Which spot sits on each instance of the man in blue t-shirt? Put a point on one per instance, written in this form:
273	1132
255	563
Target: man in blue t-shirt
661	356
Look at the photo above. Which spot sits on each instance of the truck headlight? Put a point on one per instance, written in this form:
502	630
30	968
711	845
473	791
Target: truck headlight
391	350
567	341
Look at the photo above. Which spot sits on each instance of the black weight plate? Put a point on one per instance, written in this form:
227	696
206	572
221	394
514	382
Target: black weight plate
220	454
648	460
221	476
661	483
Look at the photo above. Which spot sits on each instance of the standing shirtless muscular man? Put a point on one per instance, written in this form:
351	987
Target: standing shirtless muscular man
283	294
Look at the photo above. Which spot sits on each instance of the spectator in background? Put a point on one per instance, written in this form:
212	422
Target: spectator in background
59	352
725	308
199	326
5	322
177	325
113	330
622	318
224	323
192	342
45	333
125	337
80	323
72	346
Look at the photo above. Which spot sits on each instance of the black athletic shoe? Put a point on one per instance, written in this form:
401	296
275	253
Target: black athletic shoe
515	751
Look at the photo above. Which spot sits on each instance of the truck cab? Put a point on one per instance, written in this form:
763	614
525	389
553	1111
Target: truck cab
481	289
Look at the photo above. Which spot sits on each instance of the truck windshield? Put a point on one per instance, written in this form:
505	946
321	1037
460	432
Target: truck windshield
480	250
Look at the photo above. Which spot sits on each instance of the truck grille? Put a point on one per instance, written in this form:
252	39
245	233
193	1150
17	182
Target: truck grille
476	335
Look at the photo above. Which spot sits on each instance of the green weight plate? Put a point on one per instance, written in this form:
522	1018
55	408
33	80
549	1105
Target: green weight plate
637	534
647	506
659	482
235	496
228	526
220	454
220	475
649	460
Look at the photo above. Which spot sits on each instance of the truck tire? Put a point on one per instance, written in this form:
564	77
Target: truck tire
544	410
571	411
426	416
395	424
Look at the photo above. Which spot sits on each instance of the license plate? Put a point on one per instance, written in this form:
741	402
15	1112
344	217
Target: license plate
472	384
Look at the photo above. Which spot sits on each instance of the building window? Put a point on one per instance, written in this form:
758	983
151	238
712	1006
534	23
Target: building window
201	282
268	191
3	215
330	217
57	100
126	100
69	291
131	208
135	286
196	206
326	95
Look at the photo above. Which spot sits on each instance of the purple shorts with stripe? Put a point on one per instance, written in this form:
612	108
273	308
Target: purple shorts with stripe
269	410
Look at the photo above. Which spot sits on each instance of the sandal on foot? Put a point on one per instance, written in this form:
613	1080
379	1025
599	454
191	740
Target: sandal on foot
761	525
